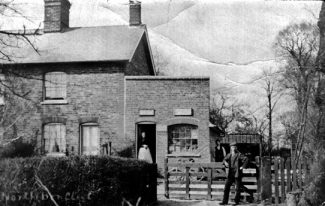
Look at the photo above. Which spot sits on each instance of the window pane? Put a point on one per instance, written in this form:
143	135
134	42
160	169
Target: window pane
182	138
55	85
54	136
90	140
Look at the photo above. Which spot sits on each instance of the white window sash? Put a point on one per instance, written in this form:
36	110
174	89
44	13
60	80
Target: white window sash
90	140
55	138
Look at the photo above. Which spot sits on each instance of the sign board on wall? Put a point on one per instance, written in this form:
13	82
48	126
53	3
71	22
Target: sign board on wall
147	112
183	112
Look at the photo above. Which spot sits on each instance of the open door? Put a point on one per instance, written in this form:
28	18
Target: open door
150	138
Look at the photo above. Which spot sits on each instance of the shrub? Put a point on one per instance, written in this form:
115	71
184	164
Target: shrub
127	151
315	190
18	148
78	180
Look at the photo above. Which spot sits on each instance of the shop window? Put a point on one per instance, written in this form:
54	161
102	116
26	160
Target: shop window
182	138
54	137
90	139
55	86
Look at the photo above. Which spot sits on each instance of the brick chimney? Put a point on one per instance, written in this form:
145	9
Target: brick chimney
135	13
56	16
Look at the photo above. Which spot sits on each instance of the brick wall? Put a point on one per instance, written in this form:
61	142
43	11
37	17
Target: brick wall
101	93
56	15
164	94
94	93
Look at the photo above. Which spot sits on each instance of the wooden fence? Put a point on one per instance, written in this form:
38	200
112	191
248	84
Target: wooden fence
204	181
287	177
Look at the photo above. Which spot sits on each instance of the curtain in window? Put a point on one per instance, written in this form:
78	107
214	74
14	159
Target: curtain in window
54	135
55	85
90	140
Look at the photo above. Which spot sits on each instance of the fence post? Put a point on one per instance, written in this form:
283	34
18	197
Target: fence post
294	175
209	182
288	169
282	180
276	180
305	171
187	189
266	189
300	174
166	177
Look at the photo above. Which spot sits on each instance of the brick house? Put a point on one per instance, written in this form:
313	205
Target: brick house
94	91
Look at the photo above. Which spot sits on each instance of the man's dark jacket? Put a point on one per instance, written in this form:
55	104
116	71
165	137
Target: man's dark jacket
240	160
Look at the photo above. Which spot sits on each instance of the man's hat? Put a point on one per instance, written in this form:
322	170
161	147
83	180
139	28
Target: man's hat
233	144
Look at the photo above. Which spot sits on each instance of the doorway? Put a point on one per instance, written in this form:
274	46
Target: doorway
150	137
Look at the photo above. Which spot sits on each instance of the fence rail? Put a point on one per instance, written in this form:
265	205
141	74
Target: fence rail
204	181
287	176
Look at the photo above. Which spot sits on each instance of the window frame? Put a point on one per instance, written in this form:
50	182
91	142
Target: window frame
45	88
170	137
60	153
88	124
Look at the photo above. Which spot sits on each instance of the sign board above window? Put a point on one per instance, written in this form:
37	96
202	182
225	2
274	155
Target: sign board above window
183	112
147	112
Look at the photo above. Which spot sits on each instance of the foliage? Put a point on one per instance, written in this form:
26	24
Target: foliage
18	148
127	152
315	190
78	180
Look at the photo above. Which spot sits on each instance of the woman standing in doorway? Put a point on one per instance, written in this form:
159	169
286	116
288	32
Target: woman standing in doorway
144	151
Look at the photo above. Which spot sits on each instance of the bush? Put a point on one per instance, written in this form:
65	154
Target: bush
18	148
78	180
315	190
127	151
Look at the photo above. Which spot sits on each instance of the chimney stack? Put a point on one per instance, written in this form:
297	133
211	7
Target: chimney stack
135	13
56	15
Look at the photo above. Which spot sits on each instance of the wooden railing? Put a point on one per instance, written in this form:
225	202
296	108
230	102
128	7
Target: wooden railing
203	181
287	177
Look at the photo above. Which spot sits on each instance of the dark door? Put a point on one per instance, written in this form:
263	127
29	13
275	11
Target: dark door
150	138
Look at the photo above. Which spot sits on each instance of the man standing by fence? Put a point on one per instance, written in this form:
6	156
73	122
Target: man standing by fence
235	162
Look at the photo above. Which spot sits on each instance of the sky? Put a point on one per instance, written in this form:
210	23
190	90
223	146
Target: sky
228	40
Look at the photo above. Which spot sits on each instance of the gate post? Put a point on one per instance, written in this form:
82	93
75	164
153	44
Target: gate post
266	181
166	177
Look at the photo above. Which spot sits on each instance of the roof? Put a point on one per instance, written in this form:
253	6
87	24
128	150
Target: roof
242	138
85	44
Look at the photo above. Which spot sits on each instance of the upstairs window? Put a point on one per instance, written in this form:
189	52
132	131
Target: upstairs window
55	86
90	139
54	138
182	138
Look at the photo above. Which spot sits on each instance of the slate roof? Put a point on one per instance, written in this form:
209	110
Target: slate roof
85	44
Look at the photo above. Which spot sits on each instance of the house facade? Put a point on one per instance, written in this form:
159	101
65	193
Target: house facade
93	91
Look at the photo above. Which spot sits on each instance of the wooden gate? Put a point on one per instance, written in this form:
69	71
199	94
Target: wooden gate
189	180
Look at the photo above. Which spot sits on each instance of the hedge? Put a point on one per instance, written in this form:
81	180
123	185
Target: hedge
78	180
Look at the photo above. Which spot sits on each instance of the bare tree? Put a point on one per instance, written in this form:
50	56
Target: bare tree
13	39
11	84
273	94
297	45
223	112
160	62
